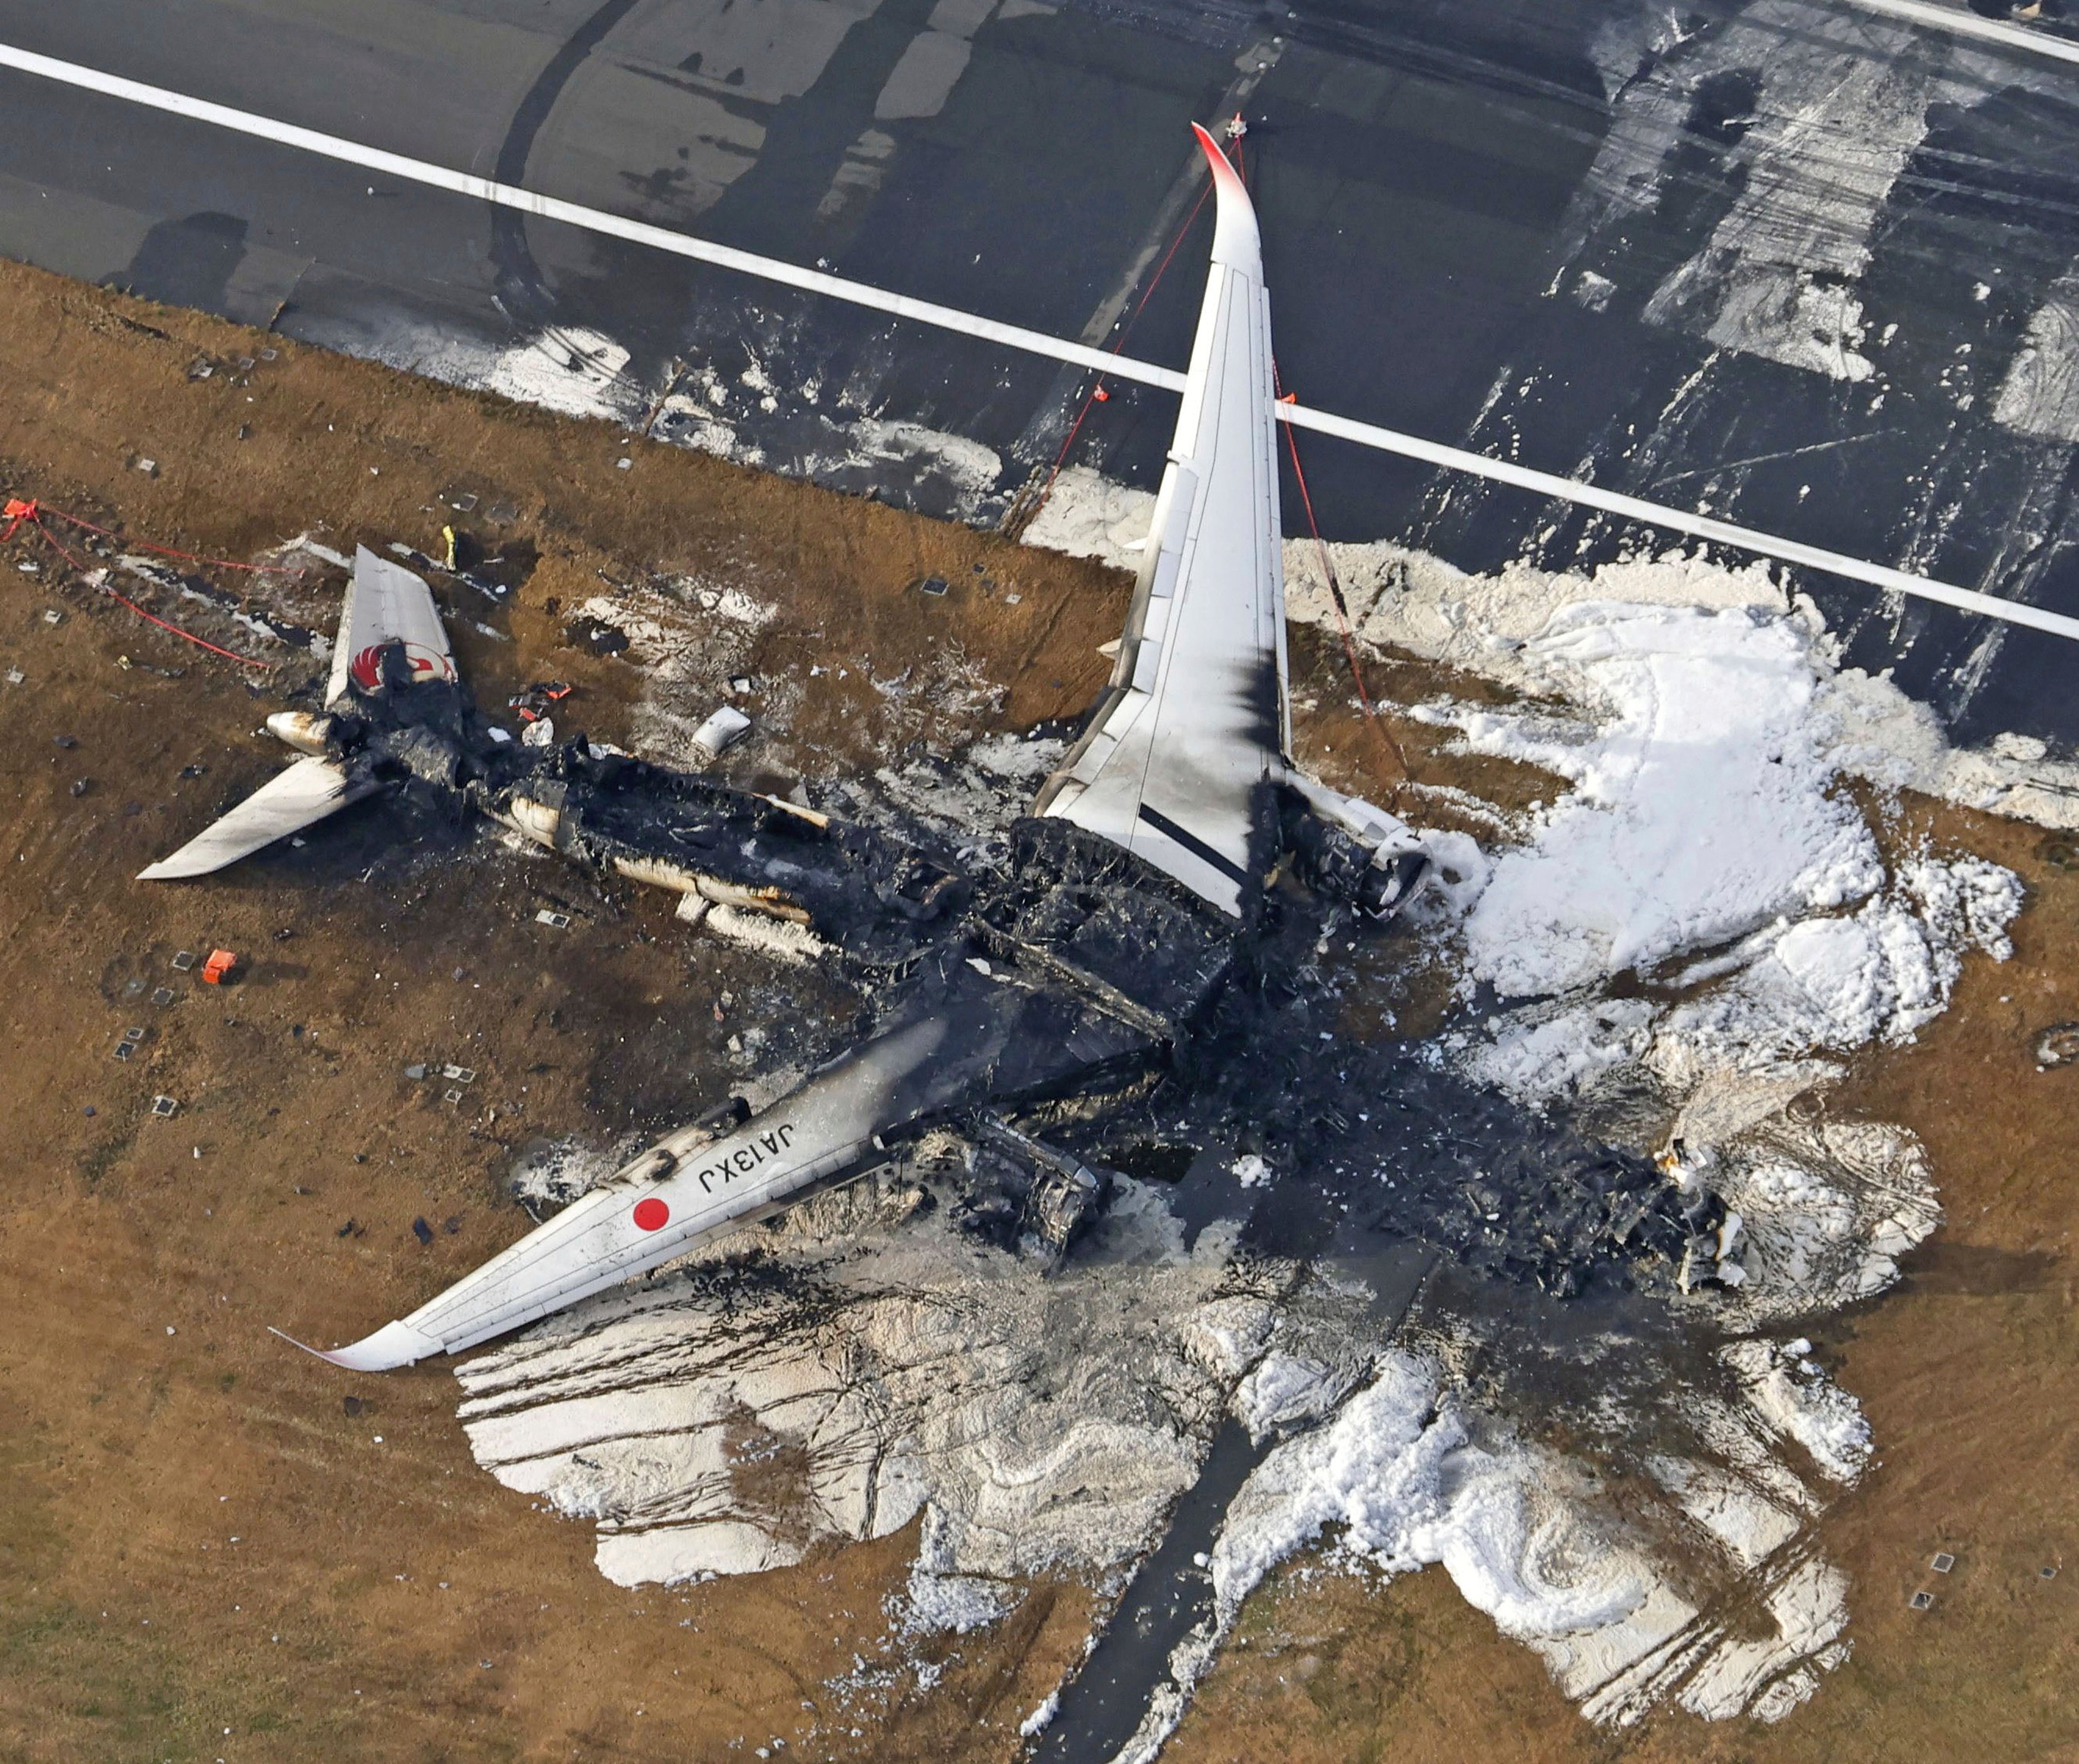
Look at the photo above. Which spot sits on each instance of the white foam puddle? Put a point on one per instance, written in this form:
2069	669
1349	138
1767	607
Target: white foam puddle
865	1364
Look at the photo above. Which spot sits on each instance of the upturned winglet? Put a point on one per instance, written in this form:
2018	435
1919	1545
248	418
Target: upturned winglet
393	1345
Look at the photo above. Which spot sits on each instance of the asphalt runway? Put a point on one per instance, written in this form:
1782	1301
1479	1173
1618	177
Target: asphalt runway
1807	266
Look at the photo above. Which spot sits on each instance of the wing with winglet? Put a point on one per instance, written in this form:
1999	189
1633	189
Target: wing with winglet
1194	720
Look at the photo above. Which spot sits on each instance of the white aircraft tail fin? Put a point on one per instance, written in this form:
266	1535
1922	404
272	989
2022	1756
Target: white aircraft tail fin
1194	721
385	604
307	792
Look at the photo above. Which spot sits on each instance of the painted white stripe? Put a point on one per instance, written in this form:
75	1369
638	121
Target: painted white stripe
1653	514
1960	23
1017	336
420	171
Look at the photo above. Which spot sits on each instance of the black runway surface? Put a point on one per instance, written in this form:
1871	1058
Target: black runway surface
1800	264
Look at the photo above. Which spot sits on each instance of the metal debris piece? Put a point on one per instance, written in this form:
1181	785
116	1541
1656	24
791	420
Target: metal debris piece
133	1035
557	920
162	996
124	1049
165	1107
149	467
502	514
2058	1045
723	729
2048	1574
464	502
453	1095
1943	1561
52	616
459	1074
184	959
1920	1601
422	1230
15	676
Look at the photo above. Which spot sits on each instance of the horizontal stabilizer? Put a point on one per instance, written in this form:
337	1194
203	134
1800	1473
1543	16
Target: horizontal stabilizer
307	792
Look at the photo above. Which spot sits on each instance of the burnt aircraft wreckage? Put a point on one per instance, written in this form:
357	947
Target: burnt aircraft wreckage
1151	941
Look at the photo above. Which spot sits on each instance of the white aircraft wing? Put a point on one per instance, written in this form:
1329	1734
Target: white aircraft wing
1195	718
687	1187
307	792
385	604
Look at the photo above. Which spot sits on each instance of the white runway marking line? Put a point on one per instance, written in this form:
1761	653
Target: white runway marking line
1960	23
1017	336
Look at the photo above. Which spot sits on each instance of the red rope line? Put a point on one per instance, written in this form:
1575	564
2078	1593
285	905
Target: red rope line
166	551
1335	597
1097	394
20	514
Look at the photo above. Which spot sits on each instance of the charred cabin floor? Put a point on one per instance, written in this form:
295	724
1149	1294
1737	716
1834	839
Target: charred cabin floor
205	1531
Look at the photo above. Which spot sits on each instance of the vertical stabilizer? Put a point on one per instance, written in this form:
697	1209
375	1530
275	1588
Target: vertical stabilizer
385	604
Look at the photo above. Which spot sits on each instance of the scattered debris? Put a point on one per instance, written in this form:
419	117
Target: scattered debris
184	959
459	1074
218	970
1920	1601
723	730
536	699
2058	1045
540	732
557	921
1943	1563
165	1106
422	1230
162	996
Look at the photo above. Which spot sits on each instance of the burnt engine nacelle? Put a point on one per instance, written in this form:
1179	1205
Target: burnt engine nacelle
1345	848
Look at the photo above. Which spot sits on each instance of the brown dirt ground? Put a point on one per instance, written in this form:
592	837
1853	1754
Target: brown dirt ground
132	1626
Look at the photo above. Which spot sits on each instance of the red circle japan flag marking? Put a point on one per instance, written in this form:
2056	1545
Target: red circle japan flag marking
651	1214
